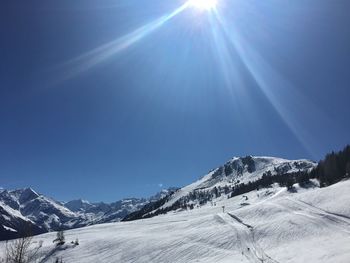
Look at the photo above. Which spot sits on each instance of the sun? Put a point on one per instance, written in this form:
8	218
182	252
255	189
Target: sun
203	4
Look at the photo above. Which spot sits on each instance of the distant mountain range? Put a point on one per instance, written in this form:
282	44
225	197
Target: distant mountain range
24	211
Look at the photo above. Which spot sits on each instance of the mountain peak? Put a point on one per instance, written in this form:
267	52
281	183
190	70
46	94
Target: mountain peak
30	190
78	205
27	194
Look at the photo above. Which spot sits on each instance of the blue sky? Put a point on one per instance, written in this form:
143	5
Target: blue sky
109	99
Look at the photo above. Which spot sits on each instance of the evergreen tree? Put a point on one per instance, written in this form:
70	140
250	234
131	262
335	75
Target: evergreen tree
60	239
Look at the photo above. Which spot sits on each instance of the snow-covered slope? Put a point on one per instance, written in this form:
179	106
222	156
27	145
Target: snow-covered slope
266	225
78	205
242	170
223	180
12	222
45	213
25	210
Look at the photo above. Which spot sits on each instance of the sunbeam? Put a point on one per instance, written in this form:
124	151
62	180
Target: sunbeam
278	91
100	54
228	67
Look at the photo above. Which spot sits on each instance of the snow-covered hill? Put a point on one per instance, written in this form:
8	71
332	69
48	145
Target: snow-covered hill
242	170
223	180
266	225
25	210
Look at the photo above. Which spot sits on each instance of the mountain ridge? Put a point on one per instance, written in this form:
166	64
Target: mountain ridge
222	181
25	210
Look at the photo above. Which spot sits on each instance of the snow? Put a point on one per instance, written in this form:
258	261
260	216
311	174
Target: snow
9	228
49	214
262	164
13	212
274	225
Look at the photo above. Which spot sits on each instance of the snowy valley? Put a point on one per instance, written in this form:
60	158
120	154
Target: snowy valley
207	221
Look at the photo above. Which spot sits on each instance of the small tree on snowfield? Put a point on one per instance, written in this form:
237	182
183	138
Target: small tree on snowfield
60	240
289	184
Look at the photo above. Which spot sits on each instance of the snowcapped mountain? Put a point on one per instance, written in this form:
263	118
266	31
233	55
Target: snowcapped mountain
24	210
12	222
237	173
97	213
78	205
46	213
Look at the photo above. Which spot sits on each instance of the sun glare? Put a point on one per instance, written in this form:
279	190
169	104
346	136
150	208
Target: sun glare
203	4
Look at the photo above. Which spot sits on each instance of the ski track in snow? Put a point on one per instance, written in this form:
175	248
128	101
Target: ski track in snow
313	213
250	247
340	221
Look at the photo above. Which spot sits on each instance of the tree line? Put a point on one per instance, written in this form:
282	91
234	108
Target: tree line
333	168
